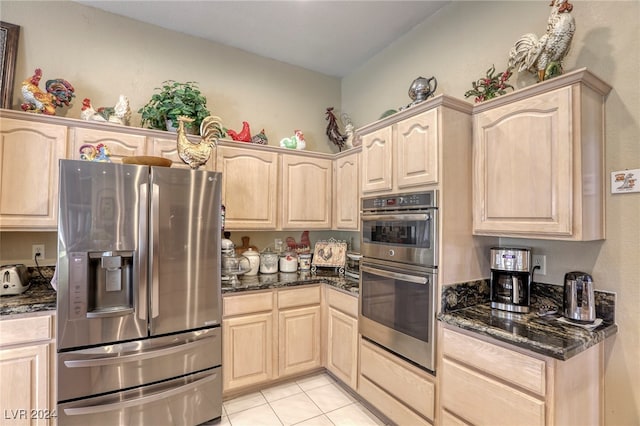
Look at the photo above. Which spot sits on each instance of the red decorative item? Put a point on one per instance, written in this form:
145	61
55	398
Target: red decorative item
243	136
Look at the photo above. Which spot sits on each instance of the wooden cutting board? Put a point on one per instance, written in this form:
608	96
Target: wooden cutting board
245	246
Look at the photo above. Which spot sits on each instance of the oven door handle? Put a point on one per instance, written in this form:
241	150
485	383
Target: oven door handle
396	275
409	216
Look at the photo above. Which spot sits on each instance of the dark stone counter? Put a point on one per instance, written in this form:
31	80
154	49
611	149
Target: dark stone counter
546	335
292	279
39	297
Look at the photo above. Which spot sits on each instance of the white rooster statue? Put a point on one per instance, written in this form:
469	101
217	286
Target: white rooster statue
544	56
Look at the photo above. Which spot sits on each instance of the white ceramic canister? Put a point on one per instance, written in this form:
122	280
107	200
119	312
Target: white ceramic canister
268	262
254	261
304	261
289	262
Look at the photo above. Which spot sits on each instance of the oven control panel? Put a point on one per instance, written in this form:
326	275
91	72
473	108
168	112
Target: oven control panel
401	201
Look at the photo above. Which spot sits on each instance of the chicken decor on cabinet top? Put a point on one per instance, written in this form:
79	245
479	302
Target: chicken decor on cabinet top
294	142
260	138
118	114
197	154
333	131
349	130
243	136
99	153
58	92
544	56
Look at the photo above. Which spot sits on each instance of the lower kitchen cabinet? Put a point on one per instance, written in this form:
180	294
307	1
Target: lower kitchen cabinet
342	336
483	383
27	368
403	392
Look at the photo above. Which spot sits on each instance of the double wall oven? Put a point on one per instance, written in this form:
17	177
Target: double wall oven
398	274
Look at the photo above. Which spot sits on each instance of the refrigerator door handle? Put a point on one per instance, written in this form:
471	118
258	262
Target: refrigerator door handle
94	409
154	232
143	260
110	360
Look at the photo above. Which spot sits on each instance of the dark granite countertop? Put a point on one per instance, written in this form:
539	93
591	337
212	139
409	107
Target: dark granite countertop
545	335
292	279
40	296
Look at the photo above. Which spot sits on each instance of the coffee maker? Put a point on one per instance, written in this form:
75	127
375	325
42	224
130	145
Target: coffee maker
510	278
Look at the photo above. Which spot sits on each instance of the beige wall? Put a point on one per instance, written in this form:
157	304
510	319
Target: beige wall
457	46
103	55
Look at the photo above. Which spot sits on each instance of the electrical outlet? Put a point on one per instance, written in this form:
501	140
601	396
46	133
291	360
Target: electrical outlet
541	261
37	250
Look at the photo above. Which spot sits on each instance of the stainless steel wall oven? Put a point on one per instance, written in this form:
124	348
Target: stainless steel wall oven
398	275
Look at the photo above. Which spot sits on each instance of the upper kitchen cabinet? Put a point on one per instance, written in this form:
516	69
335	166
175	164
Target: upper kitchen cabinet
346	190
306	187
29	154
168	148
249	186
119	144
400	153
538	161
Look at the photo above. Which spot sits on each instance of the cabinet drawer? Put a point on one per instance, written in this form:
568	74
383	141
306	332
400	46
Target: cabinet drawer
298	297
388	405
247	303
342	302
448	419
24	330
397	378
484	401
514	367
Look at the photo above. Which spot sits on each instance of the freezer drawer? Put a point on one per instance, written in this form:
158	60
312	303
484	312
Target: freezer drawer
189	400
102	369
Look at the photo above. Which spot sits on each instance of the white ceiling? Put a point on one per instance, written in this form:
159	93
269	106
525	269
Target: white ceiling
330	37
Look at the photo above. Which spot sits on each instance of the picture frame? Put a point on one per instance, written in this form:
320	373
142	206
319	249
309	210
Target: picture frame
9	35
330	253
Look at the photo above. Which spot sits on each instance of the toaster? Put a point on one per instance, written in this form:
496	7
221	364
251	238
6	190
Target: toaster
13	280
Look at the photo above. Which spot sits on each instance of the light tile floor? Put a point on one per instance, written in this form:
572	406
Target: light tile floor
311	401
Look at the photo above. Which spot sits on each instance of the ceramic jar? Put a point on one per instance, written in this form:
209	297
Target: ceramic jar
304	261
268	262
289	262
254	261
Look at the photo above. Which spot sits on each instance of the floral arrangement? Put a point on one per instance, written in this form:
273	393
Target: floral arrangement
494	84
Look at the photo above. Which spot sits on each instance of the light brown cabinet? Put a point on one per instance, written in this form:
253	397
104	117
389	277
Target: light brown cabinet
342	336
306	188
27	359
538	161
346	191
249	187
400	153
29	155
119	144
483	382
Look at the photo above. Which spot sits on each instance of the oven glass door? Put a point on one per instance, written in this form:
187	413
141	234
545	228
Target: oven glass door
397	310
402	237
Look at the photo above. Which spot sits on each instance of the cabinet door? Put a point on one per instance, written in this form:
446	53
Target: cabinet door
249	187
24	391
29	154
522	160
299	340
342	347
168	148
377	159
306	192
119	144
346	190
247	350
417	151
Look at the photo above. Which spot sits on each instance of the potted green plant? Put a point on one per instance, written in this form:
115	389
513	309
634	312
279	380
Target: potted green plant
172	100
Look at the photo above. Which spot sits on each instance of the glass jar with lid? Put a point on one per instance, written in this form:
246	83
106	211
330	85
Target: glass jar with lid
289	261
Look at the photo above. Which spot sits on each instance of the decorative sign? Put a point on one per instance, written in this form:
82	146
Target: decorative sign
624	181
331	253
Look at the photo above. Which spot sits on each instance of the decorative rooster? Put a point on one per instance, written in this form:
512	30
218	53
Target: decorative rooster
294	142
119	114
303	246
333	132
260	138
197	154
59	92
243	136
544	56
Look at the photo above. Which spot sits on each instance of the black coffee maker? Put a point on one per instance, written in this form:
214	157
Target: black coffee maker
510	278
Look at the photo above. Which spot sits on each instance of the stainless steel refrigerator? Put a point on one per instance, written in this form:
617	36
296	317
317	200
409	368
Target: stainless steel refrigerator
139	302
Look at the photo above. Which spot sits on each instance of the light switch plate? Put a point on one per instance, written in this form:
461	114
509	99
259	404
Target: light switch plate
624	181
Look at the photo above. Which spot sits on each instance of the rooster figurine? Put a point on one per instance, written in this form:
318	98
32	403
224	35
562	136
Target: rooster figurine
333	132
197	154
58	92
544	56
243	136
119	114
